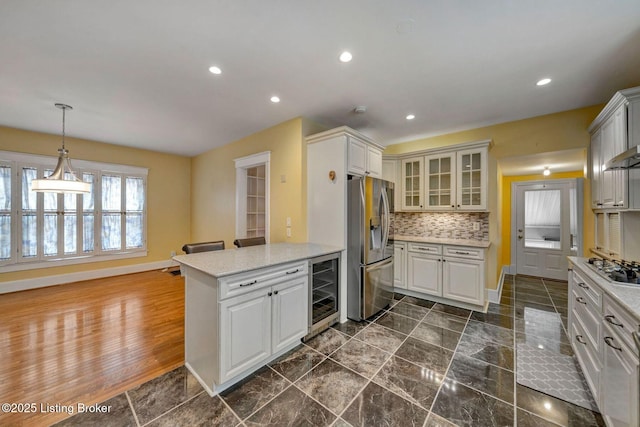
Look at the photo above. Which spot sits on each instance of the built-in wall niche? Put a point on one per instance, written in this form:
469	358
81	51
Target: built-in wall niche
252	196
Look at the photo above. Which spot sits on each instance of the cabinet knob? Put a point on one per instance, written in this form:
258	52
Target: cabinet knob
269	293
275	292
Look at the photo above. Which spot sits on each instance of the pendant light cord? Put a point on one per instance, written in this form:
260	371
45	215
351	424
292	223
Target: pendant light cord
64	110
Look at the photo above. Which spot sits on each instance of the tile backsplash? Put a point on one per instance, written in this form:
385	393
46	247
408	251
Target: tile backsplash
449	225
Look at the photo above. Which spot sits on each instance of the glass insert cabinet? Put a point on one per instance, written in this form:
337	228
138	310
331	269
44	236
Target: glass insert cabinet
445	181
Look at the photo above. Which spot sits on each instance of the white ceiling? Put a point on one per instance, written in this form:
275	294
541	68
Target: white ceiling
136	72
556	161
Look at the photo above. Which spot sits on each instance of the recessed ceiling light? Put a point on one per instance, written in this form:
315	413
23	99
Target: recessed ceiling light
411	116
275	99
215	70
543	82
346	56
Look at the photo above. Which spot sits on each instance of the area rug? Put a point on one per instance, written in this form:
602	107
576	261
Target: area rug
555	374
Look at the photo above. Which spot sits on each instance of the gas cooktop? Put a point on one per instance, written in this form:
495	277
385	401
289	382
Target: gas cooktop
616	271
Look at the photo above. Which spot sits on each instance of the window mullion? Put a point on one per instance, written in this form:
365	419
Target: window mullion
123	212
60	212
97	206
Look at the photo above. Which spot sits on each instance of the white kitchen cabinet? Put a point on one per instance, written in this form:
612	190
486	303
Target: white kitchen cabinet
412	184
364	158
620	382
456	273
440	176
290	314
445	179
424	273
616	129
400	265
472	179
463	280
256	325
245	332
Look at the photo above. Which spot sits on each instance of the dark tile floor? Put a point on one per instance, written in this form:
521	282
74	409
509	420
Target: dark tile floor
416	364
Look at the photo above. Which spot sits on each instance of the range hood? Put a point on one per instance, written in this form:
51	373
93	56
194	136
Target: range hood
628	160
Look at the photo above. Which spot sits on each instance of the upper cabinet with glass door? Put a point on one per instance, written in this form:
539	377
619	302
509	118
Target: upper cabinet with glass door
412	184
440	173
472	179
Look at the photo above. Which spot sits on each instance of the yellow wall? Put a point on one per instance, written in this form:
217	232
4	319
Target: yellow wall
213	183
548	133
588	217
168	193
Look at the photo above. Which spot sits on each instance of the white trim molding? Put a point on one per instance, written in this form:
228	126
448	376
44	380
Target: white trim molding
60	279
494	295
242	164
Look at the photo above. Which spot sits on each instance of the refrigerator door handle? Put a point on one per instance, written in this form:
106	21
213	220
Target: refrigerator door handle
387	220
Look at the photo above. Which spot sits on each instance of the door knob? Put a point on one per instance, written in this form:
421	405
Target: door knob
520	236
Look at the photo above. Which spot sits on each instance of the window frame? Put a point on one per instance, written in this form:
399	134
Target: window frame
18	161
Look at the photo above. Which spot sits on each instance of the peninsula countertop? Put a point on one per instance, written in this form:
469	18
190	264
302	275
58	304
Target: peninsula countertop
233	261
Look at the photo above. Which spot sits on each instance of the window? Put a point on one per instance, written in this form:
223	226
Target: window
107	223
252	196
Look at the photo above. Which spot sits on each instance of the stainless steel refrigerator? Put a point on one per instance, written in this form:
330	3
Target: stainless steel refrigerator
369	249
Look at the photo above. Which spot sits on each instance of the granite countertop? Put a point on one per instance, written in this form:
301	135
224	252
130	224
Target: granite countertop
443	241
628	296
232	261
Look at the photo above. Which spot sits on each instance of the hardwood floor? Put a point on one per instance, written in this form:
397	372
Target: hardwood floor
88	341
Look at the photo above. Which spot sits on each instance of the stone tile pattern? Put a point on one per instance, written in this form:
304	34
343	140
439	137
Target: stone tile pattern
554	374
425	365
446	225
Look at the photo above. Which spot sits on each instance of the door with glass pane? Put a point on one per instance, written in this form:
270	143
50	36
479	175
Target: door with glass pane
440	177
412	184
543	229
472	172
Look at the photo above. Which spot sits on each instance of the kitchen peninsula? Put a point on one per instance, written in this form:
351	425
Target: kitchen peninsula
244	307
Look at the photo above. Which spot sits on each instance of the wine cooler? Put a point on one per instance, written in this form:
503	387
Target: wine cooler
324	277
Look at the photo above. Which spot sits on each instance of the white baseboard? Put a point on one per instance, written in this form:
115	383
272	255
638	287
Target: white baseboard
494	295
59	279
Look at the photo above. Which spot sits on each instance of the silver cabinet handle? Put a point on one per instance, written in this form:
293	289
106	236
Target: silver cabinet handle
293	272
425	249
242	285
462	253
580	339
611	319
581	300
583	285
609	341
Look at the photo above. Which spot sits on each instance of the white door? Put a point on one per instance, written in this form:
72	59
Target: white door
425	273
290	312
542	234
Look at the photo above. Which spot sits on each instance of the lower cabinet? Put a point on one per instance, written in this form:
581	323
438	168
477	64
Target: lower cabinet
601	337
463	280
453	272
237	323
620	382
400	265
255	325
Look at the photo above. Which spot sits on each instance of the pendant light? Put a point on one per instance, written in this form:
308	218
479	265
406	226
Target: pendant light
63	179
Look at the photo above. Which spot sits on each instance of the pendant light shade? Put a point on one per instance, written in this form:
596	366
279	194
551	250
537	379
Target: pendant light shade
63	179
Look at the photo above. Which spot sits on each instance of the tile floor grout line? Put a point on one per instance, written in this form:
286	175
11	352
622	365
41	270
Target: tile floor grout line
515	358
172	409
135	416
230	408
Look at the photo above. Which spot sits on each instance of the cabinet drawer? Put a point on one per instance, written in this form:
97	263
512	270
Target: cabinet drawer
239	284
426	248
588	290
587	357
463	252
619	321
587	316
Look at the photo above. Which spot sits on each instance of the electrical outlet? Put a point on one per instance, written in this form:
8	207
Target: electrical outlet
173	253
288	221
476	226
288	231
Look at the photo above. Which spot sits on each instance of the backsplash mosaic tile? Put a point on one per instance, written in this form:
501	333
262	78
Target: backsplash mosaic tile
449	225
